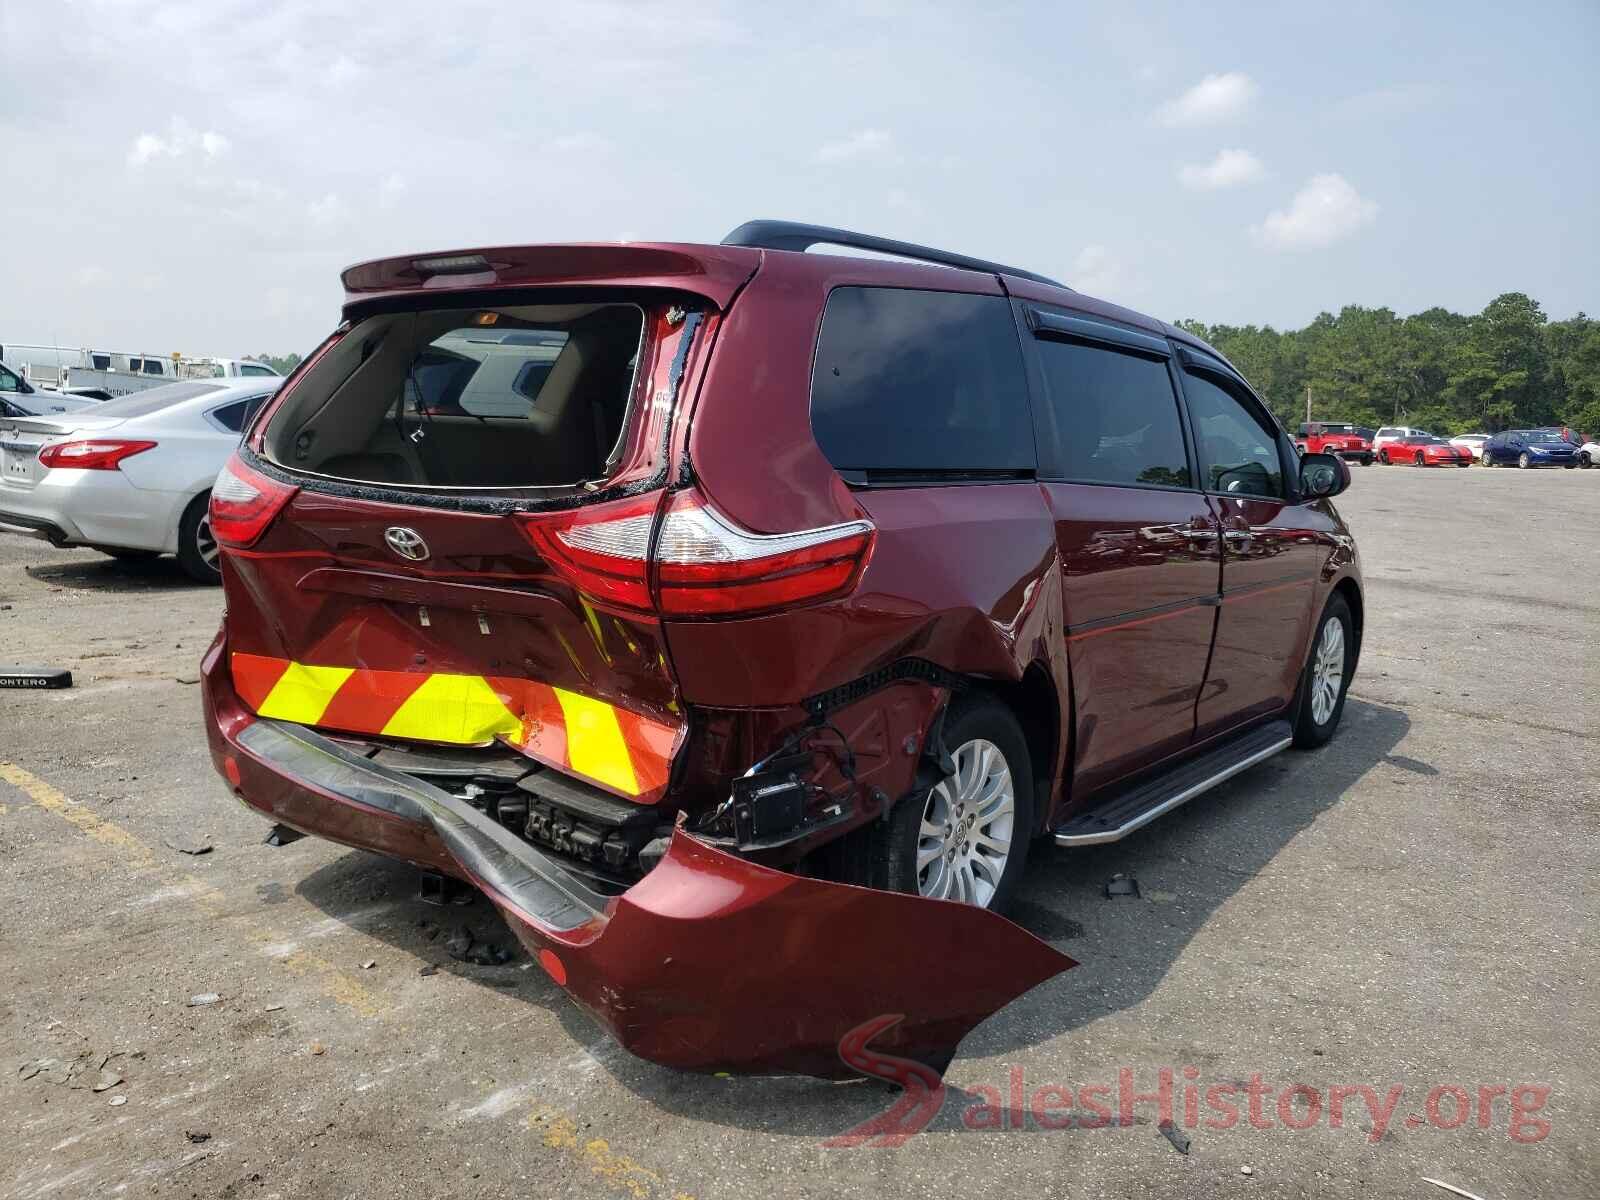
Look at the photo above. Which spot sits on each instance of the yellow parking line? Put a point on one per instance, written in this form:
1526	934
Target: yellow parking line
334	982
619	1172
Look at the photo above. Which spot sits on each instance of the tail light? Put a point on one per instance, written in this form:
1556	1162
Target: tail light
244	503
705	566
98	454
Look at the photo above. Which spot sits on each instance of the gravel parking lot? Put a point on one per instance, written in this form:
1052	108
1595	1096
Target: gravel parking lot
1411	908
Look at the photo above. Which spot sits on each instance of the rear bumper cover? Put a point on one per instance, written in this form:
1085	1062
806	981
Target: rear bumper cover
709	963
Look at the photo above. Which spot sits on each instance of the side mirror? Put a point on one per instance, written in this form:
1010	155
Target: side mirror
1322	475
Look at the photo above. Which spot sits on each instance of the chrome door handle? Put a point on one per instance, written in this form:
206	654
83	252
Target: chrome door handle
1236	537
1200	535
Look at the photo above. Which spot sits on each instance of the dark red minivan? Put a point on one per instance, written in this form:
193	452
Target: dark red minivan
723	611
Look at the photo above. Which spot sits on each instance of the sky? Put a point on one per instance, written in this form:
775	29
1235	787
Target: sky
192	176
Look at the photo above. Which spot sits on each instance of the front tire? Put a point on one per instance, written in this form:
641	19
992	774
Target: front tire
197	548
1584	461
966	838
1419	460
1326	678
1383	457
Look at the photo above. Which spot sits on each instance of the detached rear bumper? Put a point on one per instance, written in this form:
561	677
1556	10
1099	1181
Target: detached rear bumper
709	963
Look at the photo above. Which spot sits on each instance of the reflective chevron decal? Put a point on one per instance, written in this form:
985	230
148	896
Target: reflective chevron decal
623	751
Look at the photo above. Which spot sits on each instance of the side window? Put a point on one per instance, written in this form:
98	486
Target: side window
252	369
921	382
230	416
9	381
1238	449
1115	416
152	366
102	362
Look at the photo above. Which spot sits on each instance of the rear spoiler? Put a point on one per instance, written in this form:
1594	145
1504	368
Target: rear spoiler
714	272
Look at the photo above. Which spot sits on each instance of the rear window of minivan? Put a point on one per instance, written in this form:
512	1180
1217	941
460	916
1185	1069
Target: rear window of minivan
912	383
504	397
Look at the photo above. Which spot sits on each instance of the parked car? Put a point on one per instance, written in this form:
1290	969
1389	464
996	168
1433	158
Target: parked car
981	558
1331	437
1424	450
19	398
1393	433
1589	455
1529	448
130	477
1471	442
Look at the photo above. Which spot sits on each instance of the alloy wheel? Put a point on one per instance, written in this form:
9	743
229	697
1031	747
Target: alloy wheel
1522	460
1327	671
968	823
206	544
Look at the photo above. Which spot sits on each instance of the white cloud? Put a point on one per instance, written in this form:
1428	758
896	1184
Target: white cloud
180	140
1097	271
1214	99
391	189
863	146
1325	210
326	212
1230	168
582	142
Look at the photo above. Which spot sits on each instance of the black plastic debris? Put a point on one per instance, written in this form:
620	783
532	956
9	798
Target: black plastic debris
430	969
1179	1139
191	845
281	835
1121	885
198	1137
35	678
465	946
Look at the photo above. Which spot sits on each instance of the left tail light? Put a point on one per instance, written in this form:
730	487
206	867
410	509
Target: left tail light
244	503
97	454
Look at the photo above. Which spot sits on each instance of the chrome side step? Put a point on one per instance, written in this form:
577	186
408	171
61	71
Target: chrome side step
1135	808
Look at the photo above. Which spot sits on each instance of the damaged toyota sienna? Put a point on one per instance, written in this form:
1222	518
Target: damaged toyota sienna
738	618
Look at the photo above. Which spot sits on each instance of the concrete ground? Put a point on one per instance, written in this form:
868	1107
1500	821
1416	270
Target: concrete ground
1410	908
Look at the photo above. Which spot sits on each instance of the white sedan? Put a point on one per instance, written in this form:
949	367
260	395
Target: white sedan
1589	454
1472	442
132	476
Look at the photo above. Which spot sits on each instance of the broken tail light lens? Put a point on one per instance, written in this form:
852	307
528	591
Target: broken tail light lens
97	454
705	566
244	503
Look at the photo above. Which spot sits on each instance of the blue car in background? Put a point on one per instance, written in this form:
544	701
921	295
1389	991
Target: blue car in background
1529	448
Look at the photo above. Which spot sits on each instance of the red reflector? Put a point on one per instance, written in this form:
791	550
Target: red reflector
244	503
553	967
230	768
96	454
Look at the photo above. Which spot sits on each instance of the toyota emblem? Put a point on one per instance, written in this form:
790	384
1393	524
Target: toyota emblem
407	543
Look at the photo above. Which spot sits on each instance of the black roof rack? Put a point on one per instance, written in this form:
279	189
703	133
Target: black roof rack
793	235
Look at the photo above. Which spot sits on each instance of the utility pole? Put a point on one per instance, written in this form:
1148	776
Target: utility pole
1308	404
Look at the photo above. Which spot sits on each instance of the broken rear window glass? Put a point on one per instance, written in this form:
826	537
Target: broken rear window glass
511	397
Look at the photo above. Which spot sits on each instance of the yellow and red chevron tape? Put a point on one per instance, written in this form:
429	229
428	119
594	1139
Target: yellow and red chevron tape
624	751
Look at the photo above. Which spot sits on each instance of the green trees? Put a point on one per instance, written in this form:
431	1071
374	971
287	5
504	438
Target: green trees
1508	366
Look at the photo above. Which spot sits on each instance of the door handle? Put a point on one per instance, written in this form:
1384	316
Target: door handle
1200	535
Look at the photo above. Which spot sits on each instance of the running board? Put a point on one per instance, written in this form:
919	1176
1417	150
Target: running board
1135	808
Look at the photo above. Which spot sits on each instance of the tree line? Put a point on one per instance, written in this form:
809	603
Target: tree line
1507	367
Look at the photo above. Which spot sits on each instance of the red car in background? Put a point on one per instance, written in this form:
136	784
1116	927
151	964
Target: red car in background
1334	437
1425	450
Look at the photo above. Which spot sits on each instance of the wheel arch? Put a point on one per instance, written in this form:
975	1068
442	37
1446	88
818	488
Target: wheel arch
1035	701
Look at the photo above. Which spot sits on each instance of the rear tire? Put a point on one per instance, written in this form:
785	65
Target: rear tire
1326	679
953	829
1522	460
1419	460
197	548
1584	460
1383	457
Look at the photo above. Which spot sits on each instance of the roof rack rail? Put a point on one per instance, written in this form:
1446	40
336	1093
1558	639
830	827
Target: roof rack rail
794	235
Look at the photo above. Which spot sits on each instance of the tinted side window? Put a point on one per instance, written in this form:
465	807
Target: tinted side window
230	416
1238	451
152	366
1115	416
920	381
248	369
9	381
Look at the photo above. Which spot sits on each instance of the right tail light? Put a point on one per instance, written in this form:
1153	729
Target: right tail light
244	503
705	565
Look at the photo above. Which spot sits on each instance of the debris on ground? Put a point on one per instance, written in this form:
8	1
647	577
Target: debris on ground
204	999
318	1048
369	964
188	845
1121	885
465	946
116	1100
430	969
1246	1170
273	1008
88	1069
1450	1187
186	679
1179	1139
197	1136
